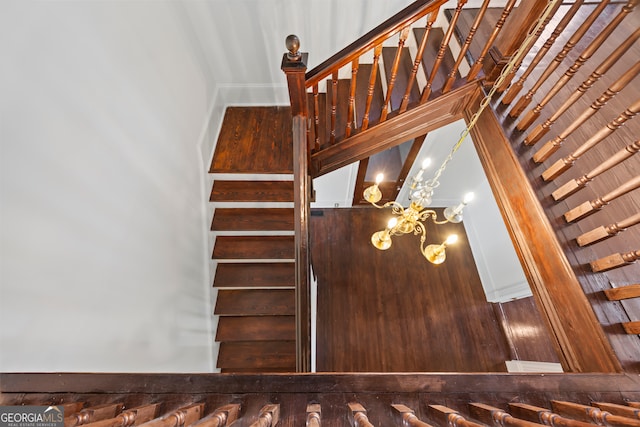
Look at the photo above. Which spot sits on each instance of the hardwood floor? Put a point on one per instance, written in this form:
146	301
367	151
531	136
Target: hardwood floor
393	311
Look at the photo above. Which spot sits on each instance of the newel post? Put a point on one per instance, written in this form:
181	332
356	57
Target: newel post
294	65
513	33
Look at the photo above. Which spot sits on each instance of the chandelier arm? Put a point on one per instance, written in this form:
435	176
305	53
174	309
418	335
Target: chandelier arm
440	222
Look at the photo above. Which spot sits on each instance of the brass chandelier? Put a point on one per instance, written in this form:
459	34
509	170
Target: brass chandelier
412	219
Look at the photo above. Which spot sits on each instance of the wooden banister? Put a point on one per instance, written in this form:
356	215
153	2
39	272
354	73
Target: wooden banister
569	45
373	38
614	261
372	82
515	89
606	231
586	54
313	415
565	163
497	417
94	413
543	415
431	18
358	415
221	417
184	416
591	206
480	61
444	45
576	184
589	413
407	417
540	130
465	46
133	416
623	292
268	416
404	33
450	417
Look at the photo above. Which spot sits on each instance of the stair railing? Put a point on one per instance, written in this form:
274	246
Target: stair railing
366	131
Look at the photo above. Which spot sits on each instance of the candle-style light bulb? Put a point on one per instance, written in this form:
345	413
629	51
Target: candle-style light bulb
379	178
468	198
451	239
392	223
436	253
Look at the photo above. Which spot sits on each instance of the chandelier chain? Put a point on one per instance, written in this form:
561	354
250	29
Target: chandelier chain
515	59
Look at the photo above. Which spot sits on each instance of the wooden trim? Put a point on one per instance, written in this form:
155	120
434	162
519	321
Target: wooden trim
502	383
578	336
409	125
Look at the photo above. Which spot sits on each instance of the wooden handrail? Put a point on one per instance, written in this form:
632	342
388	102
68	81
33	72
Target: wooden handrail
379	34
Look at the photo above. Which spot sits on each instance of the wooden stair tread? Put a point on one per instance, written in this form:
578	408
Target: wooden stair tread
251	191
255	302
429	56
402	76
257	355
254	247
254	140
255	274
249	219
256	328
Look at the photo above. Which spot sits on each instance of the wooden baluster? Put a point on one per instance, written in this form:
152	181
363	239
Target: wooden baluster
334	107
408	417
313	415
316	118
624	292
591	414
268	417
614	261
575	38
632	328
416	63
358	415
587	208
477	66
133	416
497	417
441	51
91	414
540	130
588	52
544	416
451	417
352	99
615	409
71	408
634	404
553	145
575	185
184	416
567	162
515	89
605	231
221	417
372	85
509	77
394	72
465	47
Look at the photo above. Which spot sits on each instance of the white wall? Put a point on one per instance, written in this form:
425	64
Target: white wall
103	263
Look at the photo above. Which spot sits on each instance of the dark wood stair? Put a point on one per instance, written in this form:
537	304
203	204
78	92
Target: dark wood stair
254	244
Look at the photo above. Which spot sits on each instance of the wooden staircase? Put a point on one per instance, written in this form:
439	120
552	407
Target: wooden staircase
253	225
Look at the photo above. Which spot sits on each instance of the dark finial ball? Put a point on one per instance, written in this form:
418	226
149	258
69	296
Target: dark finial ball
293	44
